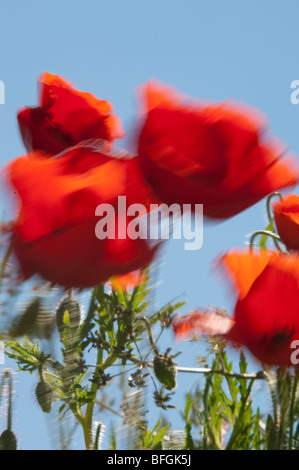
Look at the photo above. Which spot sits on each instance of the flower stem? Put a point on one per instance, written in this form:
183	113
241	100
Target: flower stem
292	409
273	235
205	370
87	422
271	216
150	334
269	211
10	391
4	263
272	388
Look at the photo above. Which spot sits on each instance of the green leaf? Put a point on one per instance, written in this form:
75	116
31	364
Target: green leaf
189	444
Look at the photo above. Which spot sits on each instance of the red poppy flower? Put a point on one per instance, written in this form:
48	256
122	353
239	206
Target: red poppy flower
65	117
286	214
54	235
266	316
215	155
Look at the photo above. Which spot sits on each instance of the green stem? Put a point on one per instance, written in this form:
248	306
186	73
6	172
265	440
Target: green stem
87	427
269	211
79	417
7	374
271	216
4	262
292	409
283	384
272	388
150	335
41	372
205	370
100	366
87	424
97	438
265	232
239	417
91	309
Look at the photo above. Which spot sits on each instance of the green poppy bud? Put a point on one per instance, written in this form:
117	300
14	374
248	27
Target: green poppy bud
68	315
8	440
165	371
44	395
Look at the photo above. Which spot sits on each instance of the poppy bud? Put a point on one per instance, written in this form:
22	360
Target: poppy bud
34	320
26	321
68	315
8	440
44	395
165	371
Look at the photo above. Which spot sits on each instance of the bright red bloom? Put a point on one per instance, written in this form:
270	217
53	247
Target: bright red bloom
286	214
215	155
54	234
65	117
266	317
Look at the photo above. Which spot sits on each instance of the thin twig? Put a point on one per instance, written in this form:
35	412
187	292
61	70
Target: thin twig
205	370
109	408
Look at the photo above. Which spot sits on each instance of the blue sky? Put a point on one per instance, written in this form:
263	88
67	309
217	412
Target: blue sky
209	49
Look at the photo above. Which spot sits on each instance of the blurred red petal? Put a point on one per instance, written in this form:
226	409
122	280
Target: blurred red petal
216	155
65	117
127	281
202	323
286	214
54	233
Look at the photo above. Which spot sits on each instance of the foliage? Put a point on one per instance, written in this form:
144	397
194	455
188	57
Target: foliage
120	329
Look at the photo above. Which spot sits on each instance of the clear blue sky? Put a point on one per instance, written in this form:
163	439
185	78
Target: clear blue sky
211	49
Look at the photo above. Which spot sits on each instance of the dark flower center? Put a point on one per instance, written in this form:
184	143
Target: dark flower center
279	338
